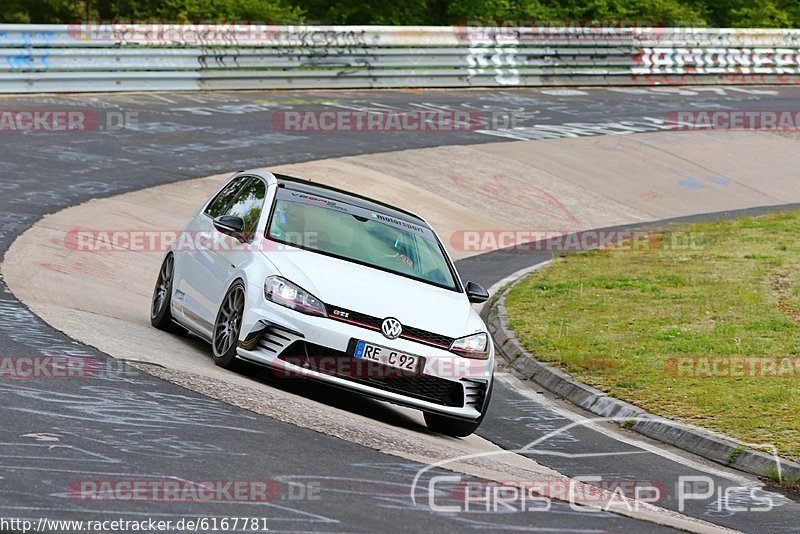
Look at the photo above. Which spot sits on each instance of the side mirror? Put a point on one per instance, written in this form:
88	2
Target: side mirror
476	293
232	226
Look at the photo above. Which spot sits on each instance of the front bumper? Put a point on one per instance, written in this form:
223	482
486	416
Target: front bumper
299	345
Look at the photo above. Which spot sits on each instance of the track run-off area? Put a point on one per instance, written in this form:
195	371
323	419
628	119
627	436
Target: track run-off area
542	162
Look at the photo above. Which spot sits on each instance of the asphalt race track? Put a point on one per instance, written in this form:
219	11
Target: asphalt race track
127	424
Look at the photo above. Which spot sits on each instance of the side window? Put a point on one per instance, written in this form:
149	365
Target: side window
248	205
217	206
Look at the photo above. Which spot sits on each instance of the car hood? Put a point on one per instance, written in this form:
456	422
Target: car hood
380	294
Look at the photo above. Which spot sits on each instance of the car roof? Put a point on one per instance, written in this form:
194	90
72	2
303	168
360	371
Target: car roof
334	193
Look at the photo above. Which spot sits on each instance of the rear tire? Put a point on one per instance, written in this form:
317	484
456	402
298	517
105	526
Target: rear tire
161	304
227	327
453	426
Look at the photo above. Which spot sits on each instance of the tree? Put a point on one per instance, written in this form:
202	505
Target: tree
730	13
38	11
412	12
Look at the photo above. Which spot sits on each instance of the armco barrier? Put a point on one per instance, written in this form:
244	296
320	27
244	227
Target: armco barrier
105	57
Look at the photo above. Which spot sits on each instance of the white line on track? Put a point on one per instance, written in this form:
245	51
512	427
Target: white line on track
525	390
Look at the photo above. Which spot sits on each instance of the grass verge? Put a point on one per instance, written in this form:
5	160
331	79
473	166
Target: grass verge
699	324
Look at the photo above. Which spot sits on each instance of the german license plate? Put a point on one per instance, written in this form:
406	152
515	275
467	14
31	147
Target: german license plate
386	356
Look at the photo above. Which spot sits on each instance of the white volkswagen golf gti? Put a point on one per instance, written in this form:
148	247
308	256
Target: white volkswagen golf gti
320	283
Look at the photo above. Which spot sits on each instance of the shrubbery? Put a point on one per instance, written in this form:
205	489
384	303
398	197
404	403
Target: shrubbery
728	13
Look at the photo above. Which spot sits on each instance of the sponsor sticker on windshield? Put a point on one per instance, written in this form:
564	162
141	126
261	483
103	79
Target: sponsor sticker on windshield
398	223
358	212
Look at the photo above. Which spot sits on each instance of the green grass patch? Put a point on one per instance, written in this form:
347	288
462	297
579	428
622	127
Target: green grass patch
628	423
702	325
735	454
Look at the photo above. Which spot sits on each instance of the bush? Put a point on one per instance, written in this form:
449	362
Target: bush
732	13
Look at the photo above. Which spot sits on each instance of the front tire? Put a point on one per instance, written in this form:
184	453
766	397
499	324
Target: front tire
453	426
161	304
227	327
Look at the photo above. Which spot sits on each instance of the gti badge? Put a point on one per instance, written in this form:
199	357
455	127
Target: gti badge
391	328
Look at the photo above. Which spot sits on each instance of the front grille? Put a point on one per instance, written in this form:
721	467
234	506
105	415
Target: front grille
429	338
343	365
361	319
374	323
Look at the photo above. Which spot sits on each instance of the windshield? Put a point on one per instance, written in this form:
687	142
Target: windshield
360	235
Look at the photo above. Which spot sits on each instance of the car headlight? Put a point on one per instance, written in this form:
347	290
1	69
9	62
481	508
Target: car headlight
281	291
473	346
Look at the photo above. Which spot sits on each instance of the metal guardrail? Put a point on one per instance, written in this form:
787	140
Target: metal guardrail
96	57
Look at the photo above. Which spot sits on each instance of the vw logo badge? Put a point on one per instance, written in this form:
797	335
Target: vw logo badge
391	328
